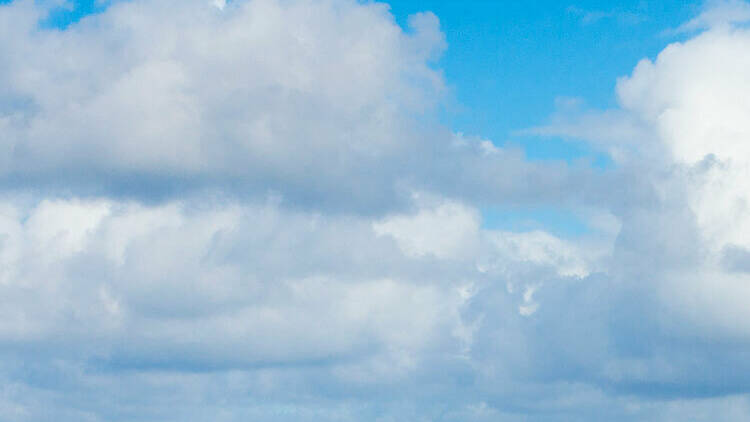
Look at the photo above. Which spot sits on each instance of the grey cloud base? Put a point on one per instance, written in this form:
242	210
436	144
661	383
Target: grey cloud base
247	210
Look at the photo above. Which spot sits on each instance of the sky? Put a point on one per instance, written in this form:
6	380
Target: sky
340	210
509	61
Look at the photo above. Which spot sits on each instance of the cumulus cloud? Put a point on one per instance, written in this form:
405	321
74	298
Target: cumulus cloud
203	287
247	93
329	104
682	251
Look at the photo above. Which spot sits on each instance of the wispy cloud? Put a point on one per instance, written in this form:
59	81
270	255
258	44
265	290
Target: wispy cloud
718	14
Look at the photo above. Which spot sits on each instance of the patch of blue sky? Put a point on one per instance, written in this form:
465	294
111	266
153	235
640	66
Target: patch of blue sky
507	61
558	221
63	15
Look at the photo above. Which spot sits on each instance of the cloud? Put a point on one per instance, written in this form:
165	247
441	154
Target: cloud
244	96
248	210
718	14
122	280
329	105
104	287
449	230
679	128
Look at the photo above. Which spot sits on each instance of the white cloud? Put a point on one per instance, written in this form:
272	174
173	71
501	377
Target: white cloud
246	95
172	278
541	248
718	14
206	285
693	111
694	98
448	230
684	240
329	104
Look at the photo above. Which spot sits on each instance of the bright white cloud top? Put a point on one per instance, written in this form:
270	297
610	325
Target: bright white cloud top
248	210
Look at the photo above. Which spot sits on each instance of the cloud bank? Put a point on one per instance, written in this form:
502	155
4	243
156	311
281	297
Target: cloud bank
249	210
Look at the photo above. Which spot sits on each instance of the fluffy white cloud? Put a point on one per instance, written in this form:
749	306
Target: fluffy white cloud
448	230
330	104
296	96
693	95
205	285
681	132
682	124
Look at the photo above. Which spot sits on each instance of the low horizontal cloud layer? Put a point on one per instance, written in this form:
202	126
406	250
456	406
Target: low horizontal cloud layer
204	287
249	210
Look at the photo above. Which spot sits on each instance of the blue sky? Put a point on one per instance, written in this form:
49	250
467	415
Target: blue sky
508	61
337	210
